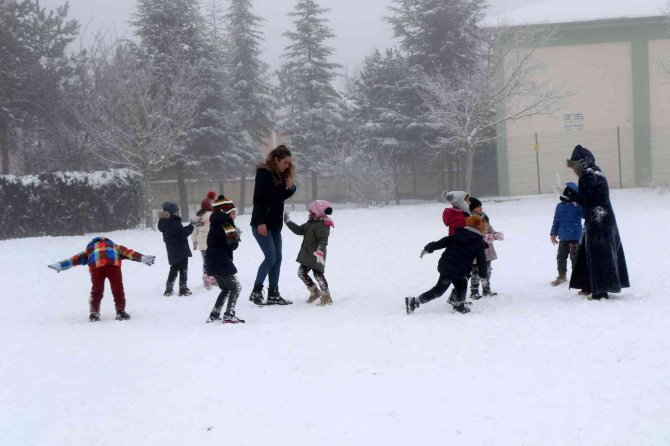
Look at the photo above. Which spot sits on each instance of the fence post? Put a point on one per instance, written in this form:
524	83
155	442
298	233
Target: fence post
537	161
618	142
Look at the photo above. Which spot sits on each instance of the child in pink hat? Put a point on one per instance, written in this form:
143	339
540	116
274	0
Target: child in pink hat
312	255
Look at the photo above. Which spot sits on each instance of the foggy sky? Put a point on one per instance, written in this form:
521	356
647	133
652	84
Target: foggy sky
358	24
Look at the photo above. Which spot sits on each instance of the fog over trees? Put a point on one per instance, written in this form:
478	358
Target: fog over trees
190	95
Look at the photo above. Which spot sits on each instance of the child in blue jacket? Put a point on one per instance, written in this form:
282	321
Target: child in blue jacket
567	228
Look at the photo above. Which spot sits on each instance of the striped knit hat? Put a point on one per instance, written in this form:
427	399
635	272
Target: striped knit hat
224	204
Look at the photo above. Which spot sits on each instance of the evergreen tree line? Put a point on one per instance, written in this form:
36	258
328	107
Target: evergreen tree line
191	93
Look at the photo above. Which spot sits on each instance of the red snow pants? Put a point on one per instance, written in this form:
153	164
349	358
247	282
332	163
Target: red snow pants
98	276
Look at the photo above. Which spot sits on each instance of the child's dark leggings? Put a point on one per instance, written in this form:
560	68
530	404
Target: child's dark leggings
230	291
460	286
303	273
180	268
566	248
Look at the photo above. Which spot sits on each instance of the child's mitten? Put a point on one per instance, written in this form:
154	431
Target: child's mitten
319	257
56	266
148	260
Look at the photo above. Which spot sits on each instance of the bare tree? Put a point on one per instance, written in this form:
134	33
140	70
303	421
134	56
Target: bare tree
505	84
135	121
371	178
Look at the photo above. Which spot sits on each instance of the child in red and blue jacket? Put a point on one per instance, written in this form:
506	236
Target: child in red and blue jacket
103	258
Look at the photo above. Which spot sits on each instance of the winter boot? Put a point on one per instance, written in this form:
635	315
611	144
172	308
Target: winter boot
456	300
232	319
559	280
486	291
474	294
168	292
184	291
584	293
257	294
94	317
274	298
314	294
411	304
599	296
325	299
462	308
121	315
214	316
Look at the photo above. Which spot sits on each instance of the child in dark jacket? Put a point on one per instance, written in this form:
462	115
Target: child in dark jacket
567	227
466	245
175	236
312	255
223	238
103	258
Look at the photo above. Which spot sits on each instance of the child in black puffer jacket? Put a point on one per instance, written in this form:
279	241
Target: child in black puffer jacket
175	236
466	245
223	238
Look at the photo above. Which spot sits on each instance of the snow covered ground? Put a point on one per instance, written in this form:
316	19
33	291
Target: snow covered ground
535	365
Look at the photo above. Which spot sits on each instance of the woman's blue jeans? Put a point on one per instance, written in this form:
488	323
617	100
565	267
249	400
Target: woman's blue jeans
271	247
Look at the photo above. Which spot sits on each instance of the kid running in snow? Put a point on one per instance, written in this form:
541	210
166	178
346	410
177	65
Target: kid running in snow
567	227
175	237
312	255
489	237
104	257
200	236
223	238
466	245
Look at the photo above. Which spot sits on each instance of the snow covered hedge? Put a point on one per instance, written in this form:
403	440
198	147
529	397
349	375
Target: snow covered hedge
69	203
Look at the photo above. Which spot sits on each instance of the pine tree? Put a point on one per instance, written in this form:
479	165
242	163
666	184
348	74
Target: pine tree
309	99
441	36
250	93
171	36
32	65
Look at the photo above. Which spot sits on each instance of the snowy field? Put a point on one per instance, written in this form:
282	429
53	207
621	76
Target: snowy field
535	365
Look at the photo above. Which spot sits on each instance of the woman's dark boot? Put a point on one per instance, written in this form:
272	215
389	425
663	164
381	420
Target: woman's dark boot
257	294
274	298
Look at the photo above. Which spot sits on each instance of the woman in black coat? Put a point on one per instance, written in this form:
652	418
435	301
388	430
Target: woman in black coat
601	264
274	185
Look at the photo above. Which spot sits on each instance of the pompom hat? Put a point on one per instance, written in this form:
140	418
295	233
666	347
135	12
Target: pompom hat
224	204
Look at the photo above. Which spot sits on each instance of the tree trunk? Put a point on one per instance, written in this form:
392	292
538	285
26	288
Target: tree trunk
147	199
315	187
440	183
243	193
414	188
469	164
183	192
4	149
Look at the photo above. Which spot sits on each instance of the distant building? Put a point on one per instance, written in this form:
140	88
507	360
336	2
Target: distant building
620	71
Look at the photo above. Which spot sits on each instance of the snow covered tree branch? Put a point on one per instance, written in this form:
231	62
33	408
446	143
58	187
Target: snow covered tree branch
505	84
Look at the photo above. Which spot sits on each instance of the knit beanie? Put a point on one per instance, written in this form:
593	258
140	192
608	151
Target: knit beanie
224	204
474	204
171	208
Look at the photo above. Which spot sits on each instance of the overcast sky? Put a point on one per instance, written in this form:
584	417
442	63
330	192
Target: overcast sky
358	24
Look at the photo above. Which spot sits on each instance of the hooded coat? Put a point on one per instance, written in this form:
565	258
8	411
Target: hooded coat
175	236
601	264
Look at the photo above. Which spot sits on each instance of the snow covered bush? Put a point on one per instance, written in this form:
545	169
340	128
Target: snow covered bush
69	203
